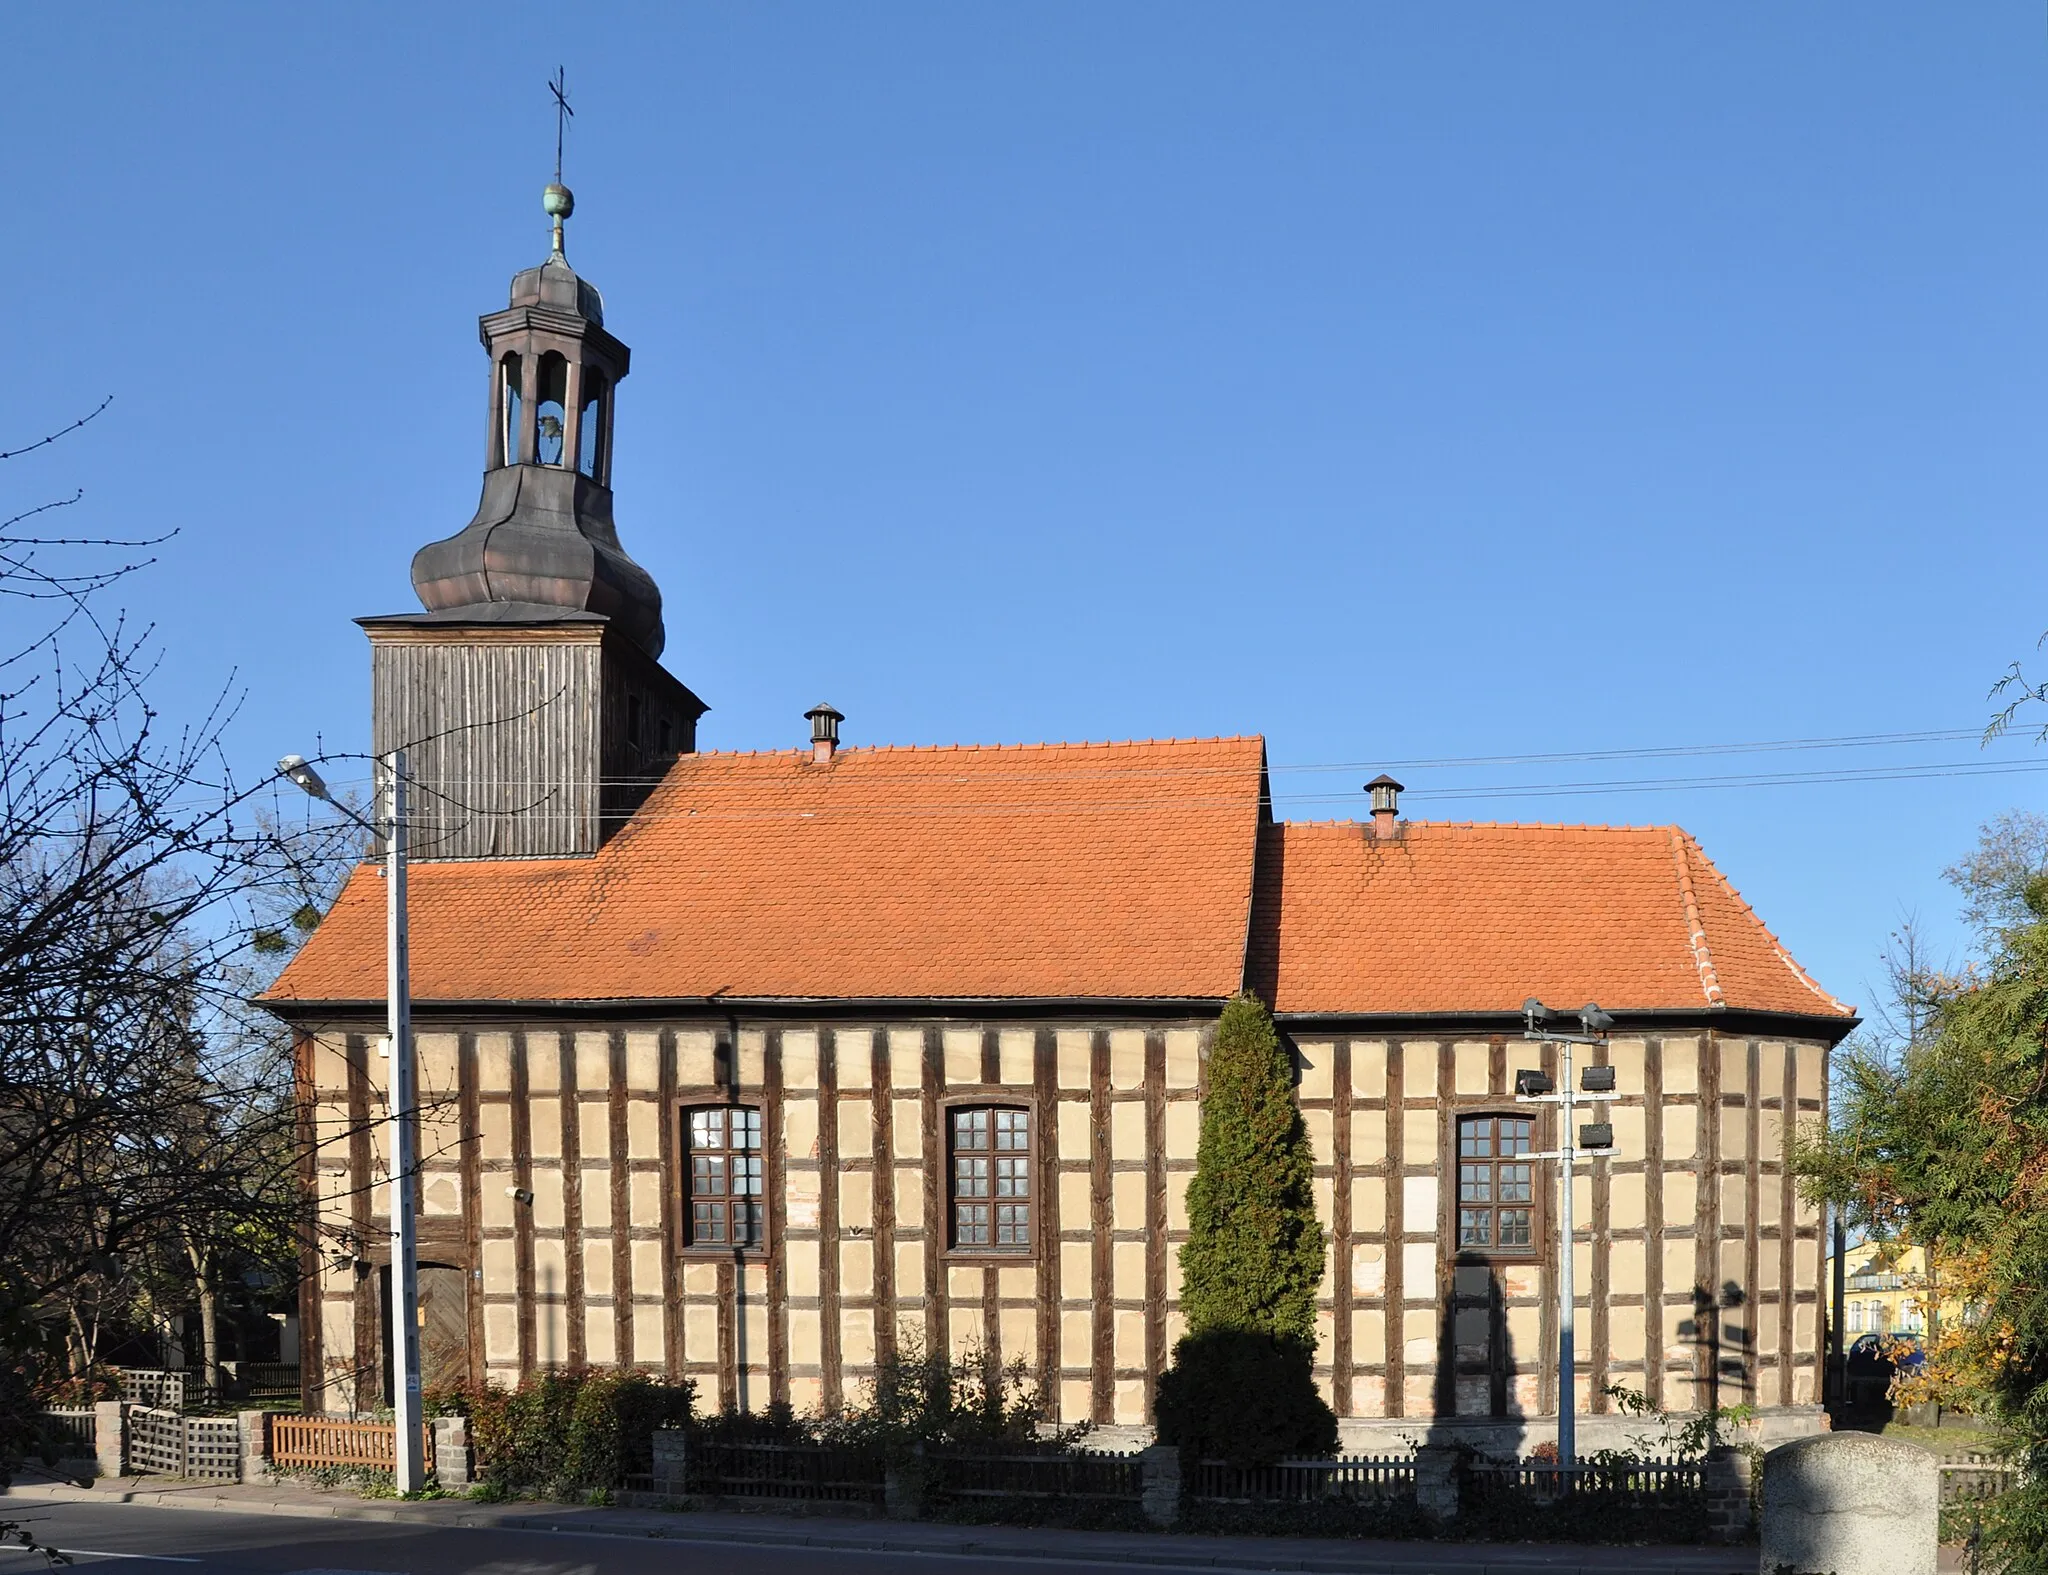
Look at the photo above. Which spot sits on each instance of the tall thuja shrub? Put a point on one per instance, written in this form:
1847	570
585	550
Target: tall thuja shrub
1241	1386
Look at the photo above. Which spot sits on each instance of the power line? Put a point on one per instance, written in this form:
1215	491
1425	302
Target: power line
1662	752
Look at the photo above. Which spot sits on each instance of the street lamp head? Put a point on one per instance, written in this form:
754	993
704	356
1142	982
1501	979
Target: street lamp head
295	768
1534	1012
1593	1020
1530	1082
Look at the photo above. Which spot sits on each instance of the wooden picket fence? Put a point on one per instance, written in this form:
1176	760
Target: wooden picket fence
1043	1474
1305	1481
1624	1480
327	1442
808	1473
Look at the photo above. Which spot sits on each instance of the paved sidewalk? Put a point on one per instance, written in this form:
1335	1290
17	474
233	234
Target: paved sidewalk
1329	1555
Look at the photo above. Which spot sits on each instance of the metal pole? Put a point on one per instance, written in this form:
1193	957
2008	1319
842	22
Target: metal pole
1567	1392
1836	1390
409	1466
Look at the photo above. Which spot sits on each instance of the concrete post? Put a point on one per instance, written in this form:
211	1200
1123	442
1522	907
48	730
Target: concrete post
1436	1481
1160	1497
255	1428
109	1434
1850	1504
672	1462
451	1452
903	1487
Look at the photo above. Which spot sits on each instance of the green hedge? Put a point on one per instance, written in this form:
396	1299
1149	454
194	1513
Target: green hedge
567	1435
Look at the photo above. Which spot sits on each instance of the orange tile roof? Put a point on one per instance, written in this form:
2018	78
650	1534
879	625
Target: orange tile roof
1477	918
1038	871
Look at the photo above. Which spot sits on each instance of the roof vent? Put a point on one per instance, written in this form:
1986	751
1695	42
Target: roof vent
824	722
1386	804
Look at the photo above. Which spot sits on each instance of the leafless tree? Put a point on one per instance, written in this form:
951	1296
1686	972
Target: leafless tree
145	1109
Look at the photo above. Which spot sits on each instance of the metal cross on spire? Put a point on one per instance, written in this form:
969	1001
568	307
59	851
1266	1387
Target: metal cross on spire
563	115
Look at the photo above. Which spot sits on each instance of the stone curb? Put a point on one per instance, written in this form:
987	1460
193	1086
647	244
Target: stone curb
856	1542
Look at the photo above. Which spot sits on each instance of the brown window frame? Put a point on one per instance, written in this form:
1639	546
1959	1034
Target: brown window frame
753	1169
1023	1164
1495	1201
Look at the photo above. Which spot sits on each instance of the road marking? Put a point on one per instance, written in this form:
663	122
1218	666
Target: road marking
99	1553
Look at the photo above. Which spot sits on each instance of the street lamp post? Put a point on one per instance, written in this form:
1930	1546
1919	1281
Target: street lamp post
1595	1139
409	1472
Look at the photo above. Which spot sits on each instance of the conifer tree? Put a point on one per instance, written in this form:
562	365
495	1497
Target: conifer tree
1254	1254
1242	1387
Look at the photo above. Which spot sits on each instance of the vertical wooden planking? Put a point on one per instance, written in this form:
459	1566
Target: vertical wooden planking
1752	1222
306	1133
1044	1063
728	1332
670	1162
1548	1186
572	1200
522	1218
888	1308
1653	1220
1341	1355
775	1178
1707	1248
1500	1358
362	1178
1102	1362
472	1196
1603	1225
831	1358
1396	1290
1446	1228
937	1334
1155	1213
620	1180
1787	1225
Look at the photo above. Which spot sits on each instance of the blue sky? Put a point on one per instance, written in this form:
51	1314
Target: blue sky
1399	382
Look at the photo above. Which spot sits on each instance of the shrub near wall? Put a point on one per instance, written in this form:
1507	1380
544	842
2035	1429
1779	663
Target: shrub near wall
567	1435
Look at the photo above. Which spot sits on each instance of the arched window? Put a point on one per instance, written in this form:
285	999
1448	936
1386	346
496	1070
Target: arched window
991	1179
725	1200
511	420
590	435
550	410
1496	1188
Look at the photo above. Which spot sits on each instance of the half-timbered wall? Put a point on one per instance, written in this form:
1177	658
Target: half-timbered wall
1698	1267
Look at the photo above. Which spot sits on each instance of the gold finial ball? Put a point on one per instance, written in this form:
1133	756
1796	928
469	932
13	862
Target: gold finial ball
558	202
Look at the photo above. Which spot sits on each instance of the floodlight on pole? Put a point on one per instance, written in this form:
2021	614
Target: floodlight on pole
409	1474
1533	1087
294	768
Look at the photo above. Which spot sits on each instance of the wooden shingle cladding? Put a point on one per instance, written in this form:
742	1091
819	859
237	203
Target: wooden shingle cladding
1699	1268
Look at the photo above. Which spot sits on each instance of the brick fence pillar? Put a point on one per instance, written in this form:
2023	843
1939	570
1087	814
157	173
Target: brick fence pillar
255	1427
1727	1475
903	1487
1436	1481
672	1462
1161	1495
451	1452
109	1433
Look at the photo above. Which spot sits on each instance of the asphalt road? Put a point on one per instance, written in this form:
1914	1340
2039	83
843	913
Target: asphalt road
131	1539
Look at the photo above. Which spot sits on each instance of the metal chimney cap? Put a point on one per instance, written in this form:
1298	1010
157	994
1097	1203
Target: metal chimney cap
824	720
1385	781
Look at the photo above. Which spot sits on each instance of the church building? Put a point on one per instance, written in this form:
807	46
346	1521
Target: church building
747	1066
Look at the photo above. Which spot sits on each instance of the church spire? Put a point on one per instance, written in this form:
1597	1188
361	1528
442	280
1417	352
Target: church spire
542	544
558	200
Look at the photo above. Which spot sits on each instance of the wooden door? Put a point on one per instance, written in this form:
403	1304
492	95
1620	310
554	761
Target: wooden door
444	1326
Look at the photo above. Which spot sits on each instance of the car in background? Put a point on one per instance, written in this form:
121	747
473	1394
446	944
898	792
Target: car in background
1876	1359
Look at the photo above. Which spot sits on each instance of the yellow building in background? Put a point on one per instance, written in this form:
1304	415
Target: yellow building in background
1888	1290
